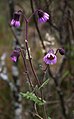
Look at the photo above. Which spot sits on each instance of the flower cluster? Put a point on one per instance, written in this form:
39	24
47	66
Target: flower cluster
42	17
51	58
15	22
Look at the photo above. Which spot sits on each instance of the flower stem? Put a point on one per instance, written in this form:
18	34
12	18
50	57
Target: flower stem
26	43
32	15
22	54
56	51
37	28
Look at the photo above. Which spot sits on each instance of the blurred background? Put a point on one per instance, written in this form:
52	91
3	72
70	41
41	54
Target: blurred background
56	33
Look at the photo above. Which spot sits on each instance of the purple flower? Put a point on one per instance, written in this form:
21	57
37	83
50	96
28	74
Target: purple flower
15	55
50	57
16	20
43	16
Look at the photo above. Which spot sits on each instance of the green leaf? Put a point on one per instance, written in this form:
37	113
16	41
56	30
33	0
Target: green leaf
44	83
31	96
49	117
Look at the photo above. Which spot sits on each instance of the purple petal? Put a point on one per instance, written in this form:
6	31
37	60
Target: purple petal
54	60
17	24
41	20
51	51
45	18
12	22
46	14
14	58
49	61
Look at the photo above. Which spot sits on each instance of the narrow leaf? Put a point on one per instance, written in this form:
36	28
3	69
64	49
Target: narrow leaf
31	96
44	83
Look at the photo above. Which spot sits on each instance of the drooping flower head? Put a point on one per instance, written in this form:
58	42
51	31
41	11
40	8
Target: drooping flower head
15	55
50	57
43	16
16	19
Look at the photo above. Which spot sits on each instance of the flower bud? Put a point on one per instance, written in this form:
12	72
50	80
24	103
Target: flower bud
61	51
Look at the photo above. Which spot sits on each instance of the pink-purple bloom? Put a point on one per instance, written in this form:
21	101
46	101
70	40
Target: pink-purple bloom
16	20
50	57
43	16
15	55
